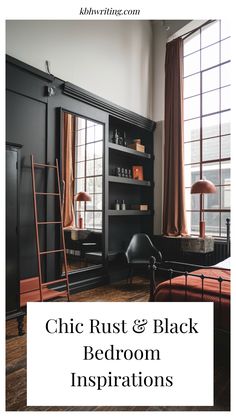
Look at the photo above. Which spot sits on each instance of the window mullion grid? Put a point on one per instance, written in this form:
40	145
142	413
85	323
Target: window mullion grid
220	166
201	144
75	169
94	176
220	160
85	169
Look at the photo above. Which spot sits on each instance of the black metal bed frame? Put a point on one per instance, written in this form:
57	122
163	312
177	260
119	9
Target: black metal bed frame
160	267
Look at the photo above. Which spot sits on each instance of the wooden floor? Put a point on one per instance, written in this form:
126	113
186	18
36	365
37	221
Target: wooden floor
16	356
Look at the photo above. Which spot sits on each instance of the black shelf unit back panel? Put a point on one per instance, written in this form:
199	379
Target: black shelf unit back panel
131	195
132	132
126	161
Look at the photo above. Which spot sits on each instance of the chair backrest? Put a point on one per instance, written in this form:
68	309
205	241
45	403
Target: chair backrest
140	247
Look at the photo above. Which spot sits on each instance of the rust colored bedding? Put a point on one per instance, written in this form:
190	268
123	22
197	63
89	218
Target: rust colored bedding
178	291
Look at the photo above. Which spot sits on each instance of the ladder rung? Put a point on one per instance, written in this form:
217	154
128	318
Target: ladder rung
46	193
49	222
45	165
52	251
53	282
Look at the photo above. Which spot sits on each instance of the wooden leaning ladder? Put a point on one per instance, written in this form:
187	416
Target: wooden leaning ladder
43	285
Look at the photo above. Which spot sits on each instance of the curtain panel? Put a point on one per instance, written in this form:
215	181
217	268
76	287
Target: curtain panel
68	170
174	215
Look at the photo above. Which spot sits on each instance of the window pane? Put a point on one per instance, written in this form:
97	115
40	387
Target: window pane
90	185
90	151
210	34
98	201
210	56
79	169
97	220
192	129
225	123
225	29
225	98
98	132
192	152
225	74
89	220
80	153
98	149
98	184
79	123
224	215
210	126
90	134
98	167
211	171
80	137
210	149
192	85
90	168
225	197
192	200
192	107
191	174
90	123
212	200
225	50
195	217
80	206
210	102
79	185
212	220
211	79
225	146
225	173
192	43
90	204
192	64
79	131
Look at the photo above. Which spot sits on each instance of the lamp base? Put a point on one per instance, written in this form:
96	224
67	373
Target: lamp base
202	229
80	223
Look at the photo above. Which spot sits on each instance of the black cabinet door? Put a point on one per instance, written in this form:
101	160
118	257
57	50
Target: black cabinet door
12	279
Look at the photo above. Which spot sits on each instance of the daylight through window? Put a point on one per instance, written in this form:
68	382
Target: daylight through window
207	124
88	171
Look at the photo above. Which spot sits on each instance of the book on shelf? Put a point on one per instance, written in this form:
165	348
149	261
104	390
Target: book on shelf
140	207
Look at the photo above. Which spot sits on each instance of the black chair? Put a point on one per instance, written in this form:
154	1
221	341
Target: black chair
139	251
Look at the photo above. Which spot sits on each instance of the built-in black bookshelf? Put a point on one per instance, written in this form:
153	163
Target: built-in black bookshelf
123	187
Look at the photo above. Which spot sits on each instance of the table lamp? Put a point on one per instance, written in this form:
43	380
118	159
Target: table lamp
81	197
202	186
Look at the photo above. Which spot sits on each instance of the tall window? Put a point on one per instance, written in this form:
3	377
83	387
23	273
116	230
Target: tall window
207	124
88	171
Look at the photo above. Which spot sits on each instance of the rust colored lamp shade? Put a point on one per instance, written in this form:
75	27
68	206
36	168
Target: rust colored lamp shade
81	197
202	186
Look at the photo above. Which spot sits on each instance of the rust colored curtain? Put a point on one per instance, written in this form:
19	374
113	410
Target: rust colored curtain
174	216
68	170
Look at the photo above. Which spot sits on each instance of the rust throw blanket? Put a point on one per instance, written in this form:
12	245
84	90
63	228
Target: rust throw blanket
177	290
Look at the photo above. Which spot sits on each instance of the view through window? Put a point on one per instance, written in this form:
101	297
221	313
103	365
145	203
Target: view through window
207	124
88	171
